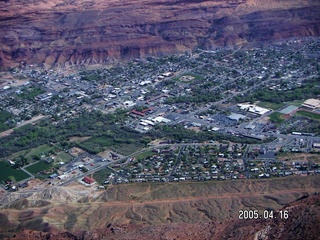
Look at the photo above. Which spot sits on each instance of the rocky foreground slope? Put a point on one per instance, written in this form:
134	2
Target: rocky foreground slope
302	224
76	32
205	210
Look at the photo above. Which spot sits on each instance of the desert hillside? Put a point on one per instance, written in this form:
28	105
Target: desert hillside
192	207
74	32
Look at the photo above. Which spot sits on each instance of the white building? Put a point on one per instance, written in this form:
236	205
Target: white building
311	104
253	108
161	119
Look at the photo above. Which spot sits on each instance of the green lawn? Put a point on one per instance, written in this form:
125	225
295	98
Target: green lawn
4	116
39	166
196	77
126	149
295	103
311	115
31	93
145	154
276	117
273	106
65	157
43	149
7	172
16	154
96	144
101	175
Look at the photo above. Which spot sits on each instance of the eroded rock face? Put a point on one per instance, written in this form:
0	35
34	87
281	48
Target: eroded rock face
302	223
74	32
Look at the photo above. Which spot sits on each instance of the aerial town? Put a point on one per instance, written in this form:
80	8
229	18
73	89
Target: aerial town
164	120
199	116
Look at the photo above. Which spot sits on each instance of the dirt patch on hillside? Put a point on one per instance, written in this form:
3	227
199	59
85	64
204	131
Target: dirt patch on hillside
300	157
78	139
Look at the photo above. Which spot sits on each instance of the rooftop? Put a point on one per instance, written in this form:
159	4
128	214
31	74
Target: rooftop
311	103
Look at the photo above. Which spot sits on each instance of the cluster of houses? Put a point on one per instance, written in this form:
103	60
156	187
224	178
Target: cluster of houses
202	163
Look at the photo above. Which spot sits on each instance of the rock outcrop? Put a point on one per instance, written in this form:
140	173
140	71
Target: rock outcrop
302	223
185	210
74	32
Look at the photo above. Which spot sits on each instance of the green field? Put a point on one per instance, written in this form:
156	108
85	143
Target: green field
126	149
4	116
43	149
96	144
311	115
30	93
30	153
38	167
276	117
7	172
273	106
196	77
145	154
64	157
295	103
16	154
101	175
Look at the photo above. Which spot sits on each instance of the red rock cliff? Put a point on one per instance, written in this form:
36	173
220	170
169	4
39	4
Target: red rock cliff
69	32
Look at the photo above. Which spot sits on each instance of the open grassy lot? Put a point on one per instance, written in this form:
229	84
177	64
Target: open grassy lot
101	175
30	153
64	157
145	154
295	102
7	172
16	154
311	115
31	93
297	157
188	77
276	117
43	149
126	149
97	144
38	167
273	106
4	116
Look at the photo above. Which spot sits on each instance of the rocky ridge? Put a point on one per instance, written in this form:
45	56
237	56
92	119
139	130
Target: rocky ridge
73	32
303	223
162	211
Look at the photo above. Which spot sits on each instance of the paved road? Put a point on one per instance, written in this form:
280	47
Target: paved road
103	165
31	175
245	157
176	163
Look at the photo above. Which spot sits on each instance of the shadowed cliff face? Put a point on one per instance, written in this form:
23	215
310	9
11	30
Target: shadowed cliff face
74	32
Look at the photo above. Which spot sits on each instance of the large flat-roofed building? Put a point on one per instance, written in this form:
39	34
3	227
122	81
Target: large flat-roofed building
253	108
311	104
160	119
236	116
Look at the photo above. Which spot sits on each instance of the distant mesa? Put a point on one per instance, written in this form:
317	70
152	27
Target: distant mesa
106	32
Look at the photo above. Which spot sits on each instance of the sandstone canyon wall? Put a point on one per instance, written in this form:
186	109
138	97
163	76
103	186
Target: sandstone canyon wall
75	32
